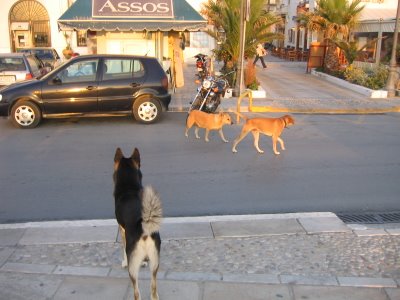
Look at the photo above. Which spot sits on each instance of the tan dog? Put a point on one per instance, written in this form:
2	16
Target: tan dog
272	127
207	121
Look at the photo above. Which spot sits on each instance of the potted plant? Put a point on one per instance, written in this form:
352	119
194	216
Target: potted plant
250	79
67	52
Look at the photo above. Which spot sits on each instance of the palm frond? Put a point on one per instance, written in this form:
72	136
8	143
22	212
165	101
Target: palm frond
225	14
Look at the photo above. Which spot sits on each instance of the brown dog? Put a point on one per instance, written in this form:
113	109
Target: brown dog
272	127
207	121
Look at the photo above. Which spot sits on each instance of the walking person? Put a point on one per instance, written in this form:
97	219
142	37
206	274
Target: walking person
259	56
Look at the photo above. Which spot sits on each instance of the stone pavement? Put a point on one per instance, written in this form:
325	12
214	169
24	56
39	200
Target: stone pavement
290	89
288	256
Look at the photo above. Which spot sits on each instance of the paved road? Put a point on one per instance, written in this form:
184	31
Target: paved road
63	169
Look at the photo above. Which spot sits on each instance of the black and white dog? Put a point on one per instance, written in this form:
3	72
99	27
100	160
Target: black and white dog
138	212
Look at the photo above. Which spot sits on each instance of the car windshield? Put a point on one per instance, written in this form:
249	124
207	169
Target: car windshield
41	53
12	64
49	74
44	54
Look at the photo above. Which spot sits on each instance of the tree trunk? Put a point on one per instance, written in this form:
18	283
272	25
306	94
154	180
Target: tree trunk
331	57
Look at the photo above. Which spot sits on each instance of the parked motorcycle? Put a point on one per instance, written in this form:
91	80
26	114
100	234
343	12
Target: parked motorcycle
209	94
201	65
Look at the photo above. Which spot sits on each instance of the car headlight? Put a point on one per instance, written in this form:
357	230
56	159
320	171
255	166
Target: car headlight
206	83
1	97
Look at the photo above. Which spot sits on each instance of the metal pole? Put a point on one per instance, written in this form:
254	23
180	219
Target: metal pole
379	44
390	84
242	39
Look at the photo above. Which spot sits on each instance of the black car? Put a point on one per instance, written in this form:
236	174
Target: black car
90	85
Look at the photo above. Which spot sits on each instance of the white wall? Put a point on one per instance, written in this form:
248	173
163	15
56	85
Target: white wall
55	8
290	23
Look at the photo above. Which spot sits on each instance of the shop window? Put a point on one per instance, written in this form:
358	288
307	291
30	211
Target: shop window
41	33
199	40
301	38
367	42
292	35
81	38
41	39
187	39
35	14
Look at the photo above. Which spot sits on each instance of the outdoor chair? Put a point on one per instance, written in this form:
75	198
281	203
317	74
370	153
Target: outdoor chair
292	55
304	55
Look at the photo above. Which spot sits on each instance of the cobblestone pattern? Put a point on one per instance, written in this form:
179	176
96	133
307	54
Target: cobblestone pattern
307	255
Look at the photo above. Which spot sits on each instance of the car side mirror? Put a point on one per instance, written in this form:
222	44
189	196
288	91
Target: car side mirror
57	80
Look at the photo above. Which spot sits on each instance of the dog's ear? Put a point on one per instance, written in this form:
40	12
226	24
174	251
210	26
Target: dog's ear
136	156
118	155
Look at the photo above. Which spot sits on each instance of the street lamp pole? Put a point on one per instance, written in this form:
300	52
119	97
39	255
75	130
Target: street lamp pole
390	84
244	11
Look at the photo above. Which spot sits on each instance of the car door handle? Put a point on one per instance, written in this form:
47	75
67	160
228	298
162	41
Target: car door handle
91	87
134	84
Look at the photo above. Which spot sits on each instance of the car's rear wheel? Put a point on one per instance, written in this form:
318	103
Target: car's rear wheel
147	110
25	114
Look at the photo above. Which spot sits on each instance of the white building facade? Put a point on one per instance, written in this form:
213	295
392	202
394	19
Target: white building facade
31	22
56	23
377	22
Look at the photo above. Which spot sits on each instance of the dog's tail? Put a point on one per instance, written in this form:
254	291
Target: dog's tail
239	114
151	211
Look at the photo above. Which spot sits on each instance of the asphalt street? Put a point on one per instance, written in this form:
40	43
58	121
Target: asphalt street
62	170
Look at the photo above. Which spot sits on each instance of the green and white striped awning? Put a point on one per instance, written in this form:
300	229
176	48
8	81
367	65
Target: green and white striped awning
79	17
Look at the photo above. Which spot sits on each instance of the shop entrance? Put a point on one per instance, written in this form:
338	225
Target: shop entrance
131	47
29	25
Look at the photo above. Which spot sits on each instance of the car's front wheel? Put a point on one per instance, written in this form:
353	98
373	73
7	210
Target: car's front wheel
25	114
147	110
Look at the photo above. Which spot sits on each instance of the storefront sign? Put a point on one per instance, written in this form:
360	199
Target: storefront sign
133	8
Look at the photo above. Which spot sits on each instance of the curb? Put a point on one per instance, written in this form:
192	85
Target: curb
168	220
273	279
370	111
323	111
298	109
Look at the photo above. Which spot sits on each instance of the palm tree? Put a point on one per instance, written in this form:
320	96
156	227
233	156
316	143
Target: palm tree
224	14
334	19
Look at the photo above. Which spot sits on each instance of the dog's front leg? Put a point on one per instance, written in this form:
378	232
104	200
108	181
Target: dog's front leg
221	133
196	132
187	132
206	135
256	136
234	146
274	139
282	143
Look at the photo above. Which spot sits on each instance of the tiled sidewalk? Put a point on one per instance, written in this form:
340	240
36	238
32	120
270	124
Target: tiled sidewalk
286	256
